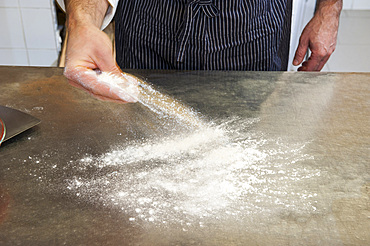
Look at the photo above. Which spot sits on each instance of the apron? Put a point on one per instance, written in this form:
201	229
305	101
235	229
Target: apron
203	34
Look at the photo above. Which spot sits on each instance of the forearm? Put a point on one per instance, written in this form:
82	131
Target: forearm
329	8
86	12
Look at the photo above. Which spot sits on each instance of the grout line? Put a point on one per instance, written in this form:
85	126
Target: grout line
24	33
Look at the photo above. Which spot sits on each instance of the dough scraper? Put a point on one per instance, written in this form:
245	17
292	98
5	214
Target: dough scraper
14	122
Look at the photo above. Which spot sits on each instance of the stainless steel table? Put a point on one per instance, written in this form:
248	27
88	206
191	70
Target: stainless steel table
280	159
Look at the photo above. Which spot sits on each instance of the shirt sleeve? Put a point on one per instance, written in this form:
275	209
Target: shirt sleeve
108	16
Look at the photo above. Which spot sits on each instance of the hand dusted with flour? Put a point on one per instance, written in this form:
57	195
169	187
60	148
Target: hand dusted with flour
106	86
89	49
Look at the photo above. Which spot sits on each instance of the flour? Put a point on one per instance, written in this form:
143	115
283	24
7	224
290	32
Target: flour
125	87
132	89
216	171
219	171
166	107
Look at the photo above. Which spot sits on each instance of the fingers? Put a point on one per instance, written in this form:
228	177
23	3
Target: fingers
301	50
102	98
317	60
311	64
114	87
85	79
323	62
104	86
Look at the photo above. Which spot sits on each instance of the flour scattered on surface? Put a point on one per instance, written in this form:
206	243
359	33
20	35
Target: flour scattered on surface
200	174
38	108
220	171
166	107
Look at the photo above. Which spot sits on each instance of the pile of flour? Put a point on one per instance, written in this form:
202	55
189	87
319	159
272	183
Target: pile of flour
216	172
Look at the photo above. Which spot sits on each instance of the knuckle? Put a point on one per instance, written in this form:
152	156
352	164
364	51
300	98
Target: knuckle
331	51
321	52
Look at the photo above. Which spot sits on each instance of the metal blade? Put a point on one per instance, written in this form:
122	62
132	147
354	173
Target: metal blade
16	121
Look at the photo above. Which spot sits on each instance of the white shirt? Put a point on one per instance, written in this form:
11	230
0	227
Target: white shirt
108	16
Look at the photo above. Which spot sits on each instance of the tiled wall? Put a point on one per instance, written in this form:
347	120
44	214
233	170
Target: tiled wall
356	4
28	33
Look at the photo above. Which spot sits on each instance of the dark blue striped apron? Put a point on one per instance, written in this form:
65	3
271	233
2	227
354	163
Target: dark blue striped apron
203	34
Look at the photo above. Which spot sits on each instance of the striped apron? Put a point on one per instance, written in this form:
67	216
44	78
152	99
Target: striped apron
203	34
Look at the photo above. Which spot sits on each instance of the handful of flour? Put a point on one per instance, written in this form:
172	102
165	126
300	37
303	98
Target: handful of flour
125	87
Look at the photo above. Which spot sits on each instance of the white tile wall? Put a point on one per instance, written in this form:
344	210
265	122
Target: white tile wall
35	3
351	28
13	57
353	50
41	57
28	33
347	4
356	4
361	4
11	29
346	58
38	28
9	3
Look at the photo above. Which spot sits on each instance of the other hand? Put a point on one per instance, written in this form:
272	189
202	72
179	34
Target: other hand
320	36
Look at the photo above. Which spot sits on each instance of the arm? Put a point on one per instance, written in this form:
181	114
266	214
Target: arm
86	11
108	17
320	36
89	48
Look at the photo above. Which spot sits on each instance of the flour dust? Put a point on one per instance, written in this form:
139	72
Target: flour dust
132	89
224	170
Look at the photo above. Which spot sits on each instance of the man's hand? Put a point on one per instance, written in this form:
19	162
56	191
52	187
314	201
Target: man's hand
89	49
320	36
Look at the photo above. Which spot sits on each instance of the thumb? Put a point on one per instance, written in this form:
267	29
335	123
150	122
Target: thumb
109	65
301	51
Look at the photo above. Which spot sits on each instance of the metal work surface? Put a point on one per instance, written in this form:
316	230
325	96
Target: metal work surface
276	159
